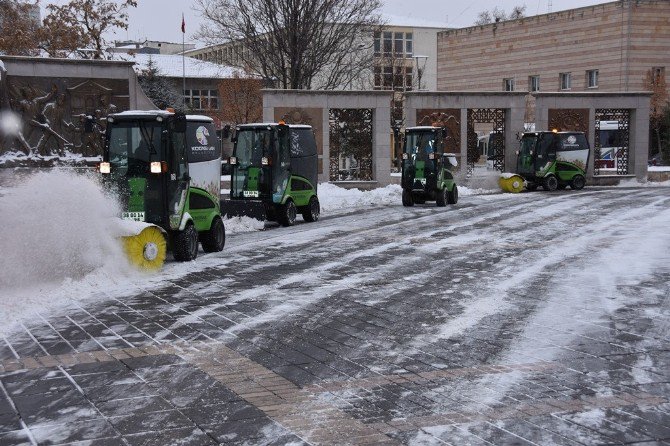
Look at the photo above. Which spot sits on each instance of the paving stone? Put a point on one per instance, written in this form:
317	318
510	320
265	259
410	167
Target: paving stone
71	432
54	408
177	437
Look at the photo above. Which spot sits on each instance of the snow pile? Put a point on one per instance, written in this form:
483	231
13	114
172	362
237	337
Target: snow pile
334	197
56	225
236	225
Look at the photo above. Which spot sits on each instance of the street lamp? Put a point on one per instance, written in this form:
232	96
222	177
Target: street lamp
420	67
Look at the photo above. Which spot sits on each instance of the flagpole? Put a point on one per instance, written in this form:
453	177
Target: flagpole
183	60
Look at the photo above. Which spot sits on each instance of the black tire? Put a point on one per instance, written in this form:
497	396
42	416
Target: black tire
186	244
578	182
452	197
313	210
442	197
407	199
214	239
550	183
288	213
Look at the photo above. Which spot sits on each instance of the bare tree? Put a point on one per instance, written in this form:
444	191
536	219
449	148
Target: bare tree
241	99
658	107
91	19
299	44
498	15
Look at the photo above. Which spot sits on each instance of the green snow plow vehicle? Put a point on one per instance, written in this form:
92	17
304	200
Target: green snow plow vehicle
165	168
553	160
274	173
426	169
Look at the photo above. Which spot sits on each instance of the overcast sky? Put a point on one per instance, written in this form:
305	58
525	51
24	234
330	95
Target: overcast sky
161	19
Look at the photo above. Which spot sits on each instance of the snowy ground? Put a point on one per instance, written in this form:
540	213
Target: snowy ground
534	318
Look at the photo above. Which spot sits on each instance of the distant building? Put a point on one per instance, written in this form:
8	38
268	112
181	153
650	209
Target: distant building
606	47
150	47
403	47
201	78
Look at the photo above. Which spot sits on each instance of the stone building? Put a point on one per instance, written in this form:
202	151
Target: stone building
606	47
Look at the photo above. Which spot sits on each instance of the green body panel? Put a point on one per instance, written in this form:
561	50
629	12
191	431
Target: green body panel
300	196
202	217
253	176
137	187
420	167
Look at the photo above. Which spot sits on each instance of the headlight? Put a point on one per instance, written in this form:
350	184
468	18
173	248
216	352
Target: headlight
155	167
105	167
265	161
431	156
233	160
405	156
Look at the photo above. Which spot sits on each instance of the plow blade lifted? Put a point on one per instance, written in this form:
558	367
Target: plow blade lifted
244	208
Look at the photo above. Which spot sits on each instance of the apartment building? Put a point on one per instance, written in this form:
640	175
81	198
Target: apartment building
605	47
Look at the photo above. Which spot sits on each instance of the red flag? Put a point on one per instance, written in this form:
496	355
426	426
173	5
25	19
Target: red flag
183	23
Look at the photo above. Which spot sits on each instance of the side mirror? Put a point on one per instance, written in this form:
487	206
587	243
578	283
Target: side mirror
179	122
225	132
282	130
233	137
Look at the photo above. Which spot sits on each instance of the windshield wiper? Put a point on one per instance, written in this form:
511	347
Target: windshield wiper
149	138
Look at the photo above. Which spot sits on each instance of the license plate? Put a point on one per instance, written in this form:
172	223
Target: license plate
135	216
251	193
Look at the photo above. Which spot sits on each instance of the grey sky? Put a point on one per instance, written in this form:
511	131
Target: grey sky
161	19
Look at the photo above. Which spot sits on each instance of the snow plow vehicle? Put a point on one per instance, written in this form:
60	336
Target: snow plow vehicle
274	173
426	169
165	169
553	160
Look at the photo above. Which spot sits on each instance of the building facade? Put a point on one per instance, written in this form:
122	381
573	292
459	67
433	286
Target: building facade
405	50
606	47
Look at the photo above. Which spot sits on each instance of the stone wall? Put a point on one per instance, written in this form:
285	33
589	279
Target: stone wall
63	103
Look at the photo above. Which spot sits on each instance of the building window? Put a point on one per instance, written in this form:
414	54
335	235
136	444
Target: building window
508	84
202	99
534	83
388	43
409	46
398	44
592	79
565	81
378	44
658	73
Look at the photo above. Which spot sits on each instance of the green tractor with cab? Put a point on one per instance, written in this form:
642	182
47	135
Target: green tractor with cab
427	171
165	169
273	173
551	160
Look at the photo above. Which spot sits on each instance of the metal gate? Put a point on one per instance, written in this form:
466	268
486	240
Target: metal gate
496	116
350	144
612	139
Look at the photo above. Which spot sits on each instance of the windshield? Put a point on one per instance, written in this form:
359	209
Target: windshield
528	144
420	144
133	145
248	175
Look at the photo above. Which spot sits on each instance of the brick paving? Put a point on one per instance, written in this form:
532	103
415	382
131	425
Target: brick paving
339	338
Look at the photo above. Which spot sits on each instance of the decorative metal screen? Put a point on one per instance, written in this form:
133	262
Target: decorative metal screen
350	144
496	116
612	139
449	118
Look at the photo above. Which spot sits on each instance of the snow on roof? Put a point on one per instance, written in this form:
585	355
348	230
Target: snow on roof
412	22
170	65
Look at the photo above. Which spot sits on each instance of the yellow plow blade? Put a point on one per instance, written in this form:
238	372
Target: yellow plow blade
511	183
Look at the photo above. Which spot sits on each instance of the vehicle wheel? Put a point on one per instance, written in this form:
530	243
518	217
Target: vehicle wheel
441	199
186	244
452	197
313	210
407	199
288	214
550	183
578	182
214	239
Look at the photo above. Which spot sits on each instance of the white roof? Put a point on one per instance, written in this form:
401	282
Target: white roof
409	21
170	65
